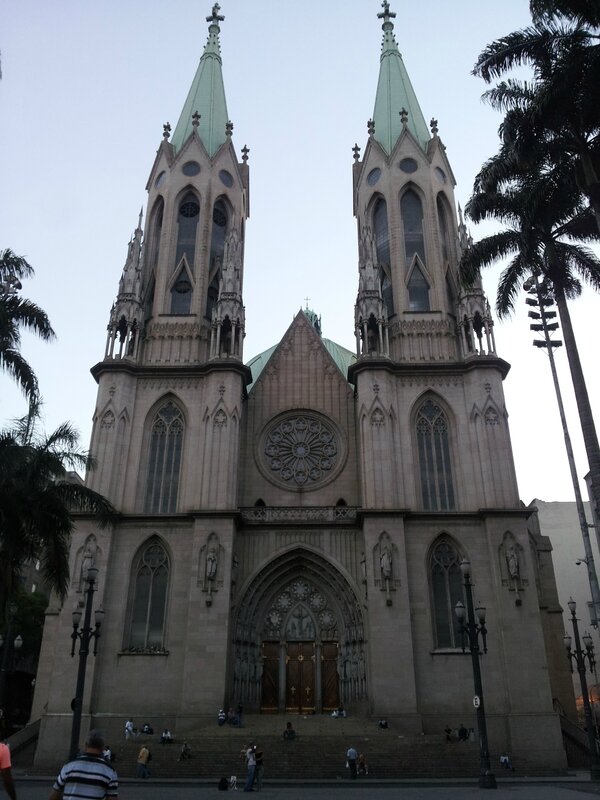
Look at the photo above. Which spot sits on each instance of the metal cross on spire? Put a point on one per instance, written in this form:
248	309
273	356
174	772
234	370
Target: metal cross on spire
386	15
215	16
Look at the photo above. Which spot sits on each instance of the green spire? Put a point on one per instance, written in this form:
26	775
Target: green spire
395	93
206	96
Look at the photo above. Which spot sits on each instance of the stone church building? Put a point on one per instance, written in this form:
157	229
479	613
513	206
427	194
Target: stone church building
290	529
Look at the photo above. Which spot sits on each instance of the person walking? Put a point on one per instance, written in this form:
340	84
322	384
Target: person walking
88	776
144	756
5	770
351	757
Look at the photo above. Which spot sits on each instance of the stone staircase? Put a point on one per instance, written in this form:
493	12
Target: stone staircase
317	753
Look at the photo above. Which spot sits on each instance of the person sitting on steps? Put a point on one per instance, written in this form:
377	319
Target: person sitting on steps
289	732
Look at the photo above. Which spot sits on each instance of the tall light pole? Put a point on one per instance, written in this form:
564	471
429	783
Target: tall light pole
84	634
473	629
579	656
541	298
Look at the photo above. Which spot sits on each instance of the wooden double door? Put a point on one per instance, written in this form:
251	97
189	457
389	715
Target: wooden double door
299	677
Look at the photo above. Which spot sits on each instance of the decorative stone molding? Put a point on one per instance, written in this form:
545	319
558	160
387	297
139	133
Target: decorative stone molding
330	514
108	420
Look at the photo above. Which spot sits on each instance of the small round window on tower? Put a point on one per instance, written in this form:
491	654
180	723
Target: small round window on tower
189	209
226	178
440	175
408	165
182	286
373	176
191	168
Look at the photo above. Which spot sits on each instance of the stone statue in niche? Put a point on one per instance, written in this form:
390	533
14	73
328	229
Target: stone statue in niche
512	561
385	560
212	561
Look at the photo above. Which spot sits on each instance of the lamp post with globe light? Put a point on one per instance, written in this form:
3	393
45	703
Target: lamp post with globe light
579	656
84	634
473	629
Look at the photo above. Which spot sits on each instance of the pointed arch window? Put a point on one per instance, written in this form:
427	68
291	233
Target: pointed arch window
411	209
382	245
149	585
156	232
164	461
435	466
443	226
217	250
187	227
418	291
446	590
181	293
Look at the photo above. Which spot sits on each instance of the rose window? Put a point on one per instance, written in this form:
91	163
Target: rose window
301	450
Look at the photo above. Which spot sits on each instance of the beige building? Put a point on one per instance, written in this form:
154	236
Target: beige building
291	530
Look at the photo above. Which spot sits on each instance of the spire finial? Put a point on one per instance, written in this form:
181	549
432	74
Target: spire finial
370	127
404	117
434	126
228	128
166	132
140	218
215	17
195	119
387	16
245	151
356	151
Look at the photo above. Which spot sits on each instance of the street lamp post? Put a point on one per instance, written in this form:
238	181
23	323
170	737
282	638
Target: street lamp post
5	645
579	656
84	634
473	629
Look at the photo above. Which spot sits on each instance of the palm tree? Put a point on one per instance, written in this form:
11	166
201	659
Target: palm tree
16	313
546	218
562	104
38	502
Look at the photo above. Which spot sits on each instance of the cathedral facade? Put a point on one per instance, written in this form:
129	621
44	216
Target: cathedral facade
290	531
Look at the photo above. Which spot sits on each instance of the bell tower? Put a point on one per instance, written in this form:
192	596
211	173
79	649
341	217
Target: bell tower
177	326
409	305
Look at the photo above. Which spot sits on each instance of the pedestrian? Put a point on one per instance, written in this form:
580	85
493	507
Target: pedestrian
144	756
258	772
186	752
88	776
251	764
463	733
361	765
5	770
129	730
351	757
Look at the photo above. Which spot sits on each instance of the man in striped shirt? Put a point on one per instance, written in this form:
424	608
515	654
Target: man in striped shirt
88	777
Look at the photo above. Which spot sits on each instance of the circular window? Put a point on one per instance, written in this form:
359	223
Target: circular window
191	168
409	165
160	179
440	175
226	178
189	209
302	450
373	176
183	286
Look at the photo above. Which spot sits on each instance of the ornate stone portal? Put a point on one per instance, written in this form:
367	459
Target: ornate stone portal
299	644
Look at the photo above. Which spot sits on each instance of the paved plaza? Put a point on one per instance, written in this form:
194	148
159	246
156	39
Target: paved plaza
509	790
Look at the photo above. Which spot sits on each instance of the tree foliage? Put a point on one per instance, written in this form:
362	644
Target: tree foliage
38	500
18	313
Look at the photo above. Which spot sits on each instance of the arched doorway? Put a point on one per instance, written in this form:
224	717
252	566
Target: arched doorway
299	643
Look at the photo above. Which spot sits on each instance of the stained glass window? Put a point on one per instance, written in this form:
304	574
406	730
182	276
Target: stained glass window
446	591
151	580
435	466
164	461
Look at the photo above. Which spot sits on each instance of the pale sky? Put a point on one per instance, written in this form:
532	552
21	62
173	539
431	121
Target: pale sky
86	88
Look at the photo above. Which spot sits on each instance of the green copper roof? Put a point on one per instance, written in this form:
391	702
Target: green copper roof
395	92
342	357
206	96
